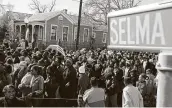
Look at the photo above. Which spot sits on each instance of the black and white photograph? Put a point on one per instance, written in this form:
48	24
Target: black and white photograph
86	53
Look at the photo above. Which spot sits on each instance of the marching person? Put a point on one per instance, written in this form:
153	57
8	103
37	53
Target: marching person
131	95
94	97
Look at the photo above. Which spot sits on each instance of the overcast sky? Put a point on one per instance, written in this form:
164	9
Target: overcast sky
71	5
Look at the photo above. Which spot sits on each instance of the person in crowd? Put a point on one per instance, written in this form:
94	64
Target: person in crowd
111	91
24	86
83	80
37	82
151	89
98	69
10	99
141	85
108	70
131	95
94	97
26	57
8	70
54	78
69	80
3	82
133	75
118	72
44	62
138	67
16	62
20	72
14	44
36	86
127	69
8	55
146	64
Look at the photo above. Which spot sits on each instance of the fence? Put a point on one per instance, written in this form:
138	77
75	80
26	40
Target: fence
72	46
51	102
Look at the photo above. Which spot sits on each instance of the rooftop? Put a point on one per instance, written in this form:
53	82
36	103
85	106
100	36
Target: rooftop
17	16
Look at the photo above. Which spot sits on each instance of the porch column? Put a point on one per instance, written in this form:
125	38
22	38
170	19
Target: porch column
20	32
33	30
43	33
39	32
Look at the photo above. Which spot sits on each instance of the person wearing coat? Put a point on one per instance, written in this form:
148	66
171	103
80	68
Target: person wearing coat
131	96
83	80
54	78
69	81
36	86
24	86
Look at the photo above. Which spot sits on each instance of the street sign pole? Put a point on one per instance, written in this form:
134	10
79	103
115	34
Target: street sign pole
164	67
79	23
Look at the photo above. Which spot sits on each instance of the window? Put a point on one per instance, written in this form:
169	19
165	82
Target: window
53	32
104	37
65	33
94	35
75	33
86	34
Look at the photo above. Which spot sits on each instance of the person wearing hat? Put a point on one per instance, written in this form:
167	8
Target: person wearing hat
131	96
83	80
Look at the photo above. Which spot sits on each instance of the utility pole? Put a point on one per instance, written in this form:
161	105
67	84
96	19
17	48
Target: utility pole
79	23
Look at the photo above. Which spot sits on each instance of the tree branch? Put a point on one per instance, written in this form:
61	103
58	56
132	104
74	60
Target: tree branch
37	6
53	3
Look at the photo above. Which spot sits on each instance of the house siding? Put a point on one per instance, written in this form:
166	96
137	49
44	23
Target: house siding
98	40
60	24
82	44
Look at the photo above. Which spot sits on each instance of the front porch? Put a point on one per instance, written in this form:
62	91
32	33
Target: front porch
30	32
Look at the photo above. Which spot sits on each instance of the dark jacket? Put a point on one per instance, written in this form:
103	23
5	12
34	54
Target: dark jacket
69	76
55	79
16	102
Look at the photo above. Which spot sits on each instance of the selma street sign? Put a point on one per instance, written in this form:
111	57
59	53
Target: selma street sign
141	28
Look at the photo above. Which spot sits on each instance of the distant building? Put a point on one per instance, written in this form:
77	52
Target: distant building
16	23
60	27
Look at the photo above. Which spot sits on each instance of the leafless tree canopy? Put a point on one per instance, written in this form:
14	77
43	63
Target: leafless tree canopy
40	8
97	10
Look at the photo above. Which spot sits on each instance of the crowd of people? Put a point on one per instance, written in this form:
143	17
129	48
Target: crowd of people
98	77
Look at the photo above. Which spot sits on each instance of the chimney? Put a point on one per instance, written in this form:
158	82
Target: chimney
65	11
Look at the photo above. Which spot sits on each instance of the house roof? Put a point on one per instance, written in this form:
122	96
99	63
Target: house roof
42	16
17	16
46	16
84	21
72	18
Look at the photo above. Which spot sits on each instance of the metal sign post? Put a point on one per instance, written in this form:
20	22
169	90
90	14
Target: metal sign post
164	67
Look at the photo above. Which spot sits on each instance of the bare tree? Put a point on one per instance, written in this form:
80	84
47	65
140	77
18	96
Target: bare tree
6	21
98	10
36	5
